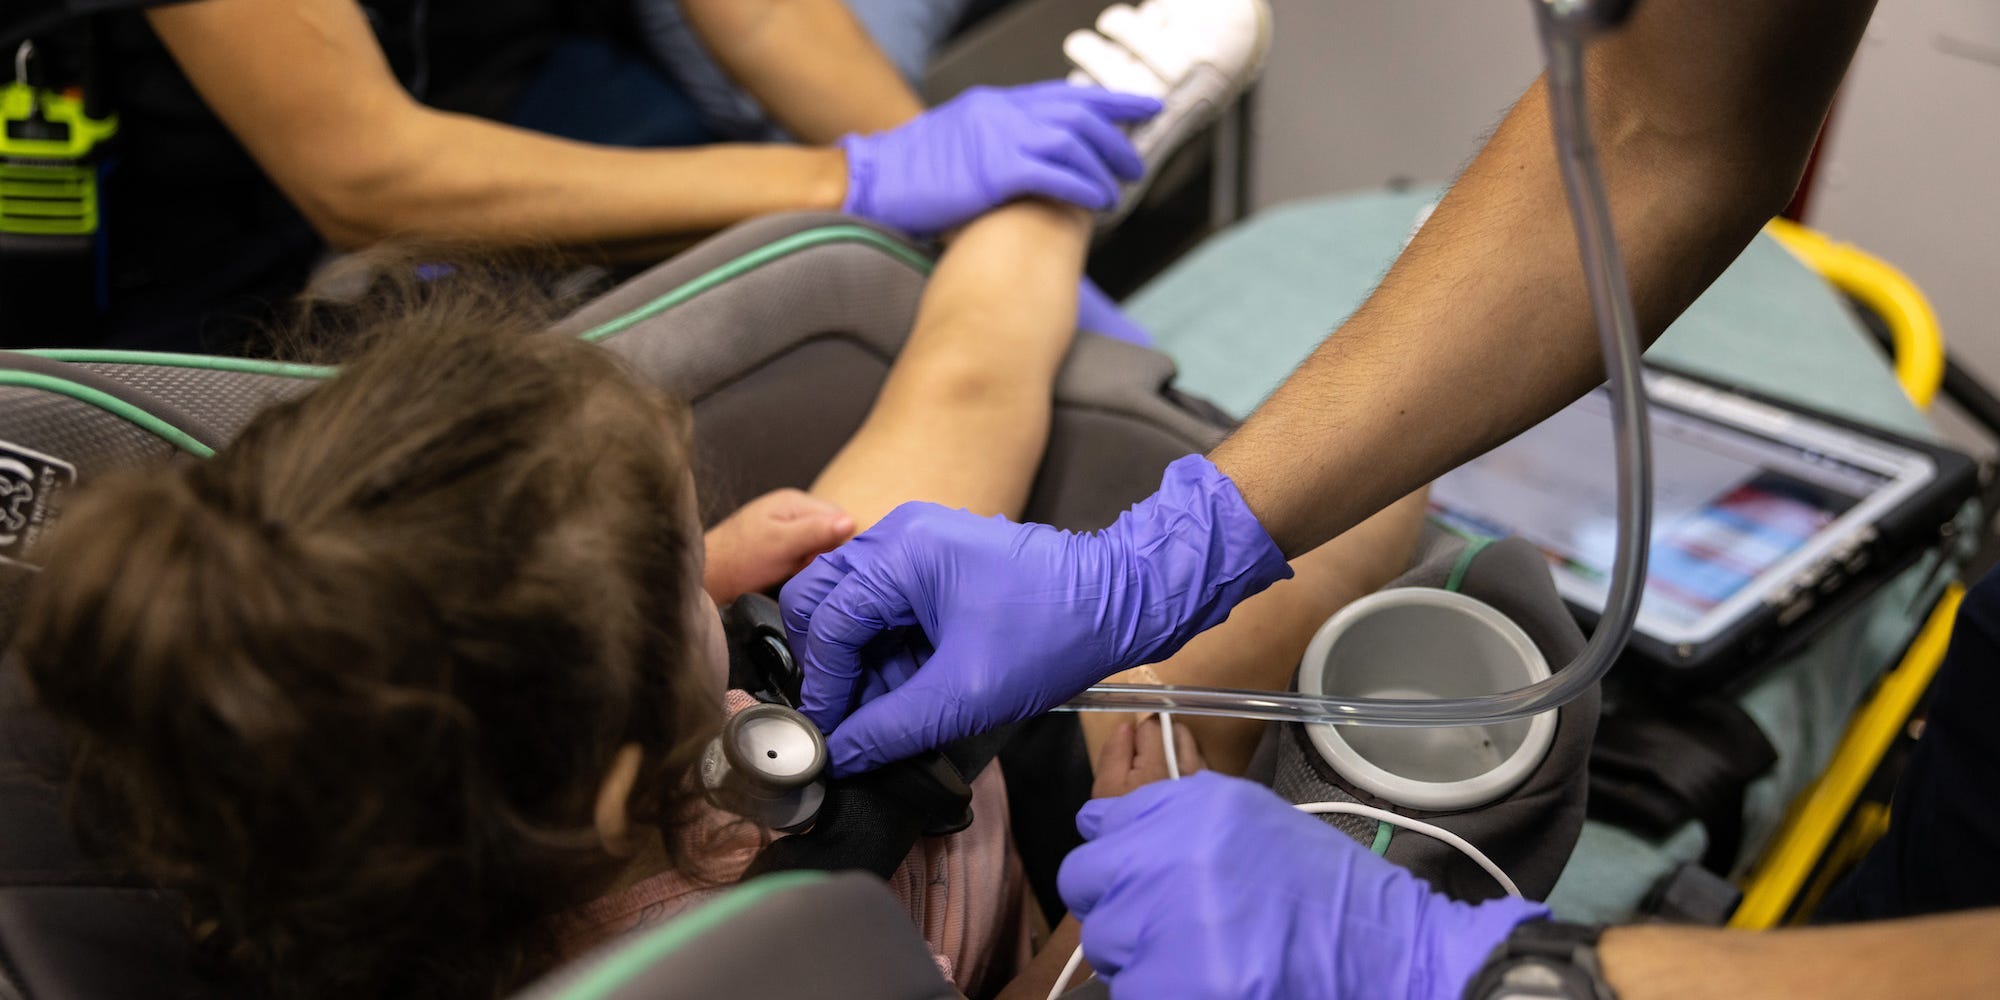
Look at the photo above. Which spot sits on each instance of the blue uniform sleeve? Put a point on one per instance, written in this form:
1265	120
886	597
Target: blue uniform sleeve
1942	851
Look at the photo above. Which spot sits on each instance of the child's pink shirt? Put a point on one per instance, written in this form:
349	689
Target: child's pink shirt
966	892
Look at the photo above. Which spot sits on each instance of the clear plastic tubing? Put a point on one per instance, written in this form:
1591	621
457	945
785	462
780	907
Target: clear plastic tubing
1564	27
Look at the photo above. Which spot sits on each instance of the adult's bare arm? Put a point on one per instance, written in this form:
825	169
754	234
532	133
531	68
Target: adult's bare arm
1943	956
808	62
1704	112
305	87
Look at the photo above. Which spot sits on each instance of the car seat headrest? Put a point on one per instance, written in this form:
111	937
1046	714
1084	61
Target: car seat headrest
779	333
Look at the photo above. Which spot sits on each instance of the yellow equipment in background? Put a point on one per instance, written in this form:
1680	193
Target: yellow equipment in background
1829	827
1889	293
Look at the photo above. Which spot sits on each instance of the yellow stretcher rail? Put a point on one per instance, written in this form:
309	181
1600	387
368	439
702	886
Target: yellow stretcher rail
1817	815
1913	326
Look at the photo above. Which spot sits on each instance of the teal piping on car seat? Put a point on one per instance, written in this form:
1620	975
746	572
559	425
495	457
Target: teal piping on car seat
167	359
755	259
751	261
109	404
630	959
776	250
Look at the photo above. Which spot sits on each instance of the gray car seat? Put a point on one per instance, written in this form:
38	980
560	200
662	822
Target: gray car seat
829	929
778	333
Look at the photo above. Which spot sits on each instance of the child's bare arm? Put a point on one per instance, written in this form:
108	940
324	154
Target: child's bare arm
964	415
1036	978
1135	755
1132	756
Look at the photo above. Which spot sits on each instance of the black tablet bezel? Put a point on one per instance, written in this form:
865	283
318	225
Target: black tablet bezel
1830	587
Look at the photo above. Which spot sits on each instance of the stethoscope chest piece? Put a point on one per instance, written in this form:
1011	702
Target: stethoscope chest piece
766	766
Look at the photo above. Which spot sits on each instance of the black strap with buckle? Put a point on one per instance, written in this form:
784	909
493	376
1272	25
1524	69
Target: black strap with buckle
869	821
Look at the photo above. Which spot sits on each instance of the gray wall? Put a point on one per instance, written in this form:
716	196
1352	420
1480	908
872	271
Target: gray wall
1363	92
1910	170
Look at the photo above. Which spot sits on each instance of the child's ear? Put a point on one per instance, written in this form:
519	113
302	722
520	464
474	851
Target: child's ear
614	824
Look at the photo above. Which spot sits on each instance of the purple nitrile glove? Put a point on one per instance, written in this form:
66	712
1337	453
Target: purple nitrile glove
1096	313
987	147
1021	616
1213	886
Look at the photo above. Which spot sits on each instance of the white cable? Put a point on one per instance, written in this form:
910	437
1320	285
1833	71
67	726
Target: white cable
1419	826
1174	772
1069	969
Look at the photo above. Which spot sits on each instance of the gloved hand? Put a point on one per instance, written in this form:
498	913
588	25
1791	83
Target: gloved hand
988	146
1096	313
1022	617
1213	886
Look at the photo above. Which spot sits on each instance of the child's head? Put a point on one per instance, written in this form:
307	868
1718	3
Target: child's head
355	683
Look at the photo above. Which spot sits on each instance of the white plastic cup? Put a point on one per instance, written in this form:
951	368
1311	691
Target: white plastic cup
1419	642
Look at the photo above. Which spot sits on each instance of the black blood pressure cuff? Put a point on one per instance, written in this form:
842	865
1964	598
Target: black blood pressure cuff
1531	831
1661	763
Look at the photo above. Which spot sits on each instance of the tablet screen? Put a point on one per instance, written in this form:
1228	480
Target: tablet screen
1732	507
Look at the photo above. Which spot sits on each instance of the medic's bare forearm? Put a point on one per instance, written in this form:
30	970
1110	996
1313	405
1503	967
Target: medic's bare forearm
1704	112
464	178
304	85
809	62
1945	956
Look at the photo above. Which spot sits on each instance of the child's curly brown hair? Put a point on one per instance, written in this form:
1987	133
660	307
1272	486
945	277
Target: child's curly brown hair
353	683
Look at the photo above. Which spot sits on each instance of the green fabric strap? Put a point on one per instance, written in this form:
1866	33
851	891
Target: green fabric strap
1473	547
1383	831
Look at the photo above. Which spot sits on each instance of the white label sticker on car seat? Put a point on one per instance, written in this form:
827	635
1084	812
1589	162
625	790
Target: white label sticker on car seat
30	483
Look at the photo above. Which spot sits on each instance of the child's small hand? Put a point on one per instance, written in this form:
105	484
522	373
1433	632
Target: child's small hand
768	540
1134	756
